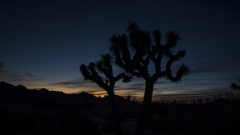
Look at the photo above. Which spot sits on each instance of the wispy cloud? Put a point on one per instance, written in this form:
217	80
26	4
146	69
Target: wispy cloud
15	77
214	64
72	83
193	94
77	85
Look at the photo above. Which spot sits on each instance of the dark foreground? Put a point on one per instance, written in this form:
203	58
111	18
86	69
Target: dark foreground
43	112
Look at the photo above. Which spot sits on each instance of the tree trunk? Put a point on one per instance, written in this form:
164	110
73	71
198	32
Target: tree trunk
112	100
146	109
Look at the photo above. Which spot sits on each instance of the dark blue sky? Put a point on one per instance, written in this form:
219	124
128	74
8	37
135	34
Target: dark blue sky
43	43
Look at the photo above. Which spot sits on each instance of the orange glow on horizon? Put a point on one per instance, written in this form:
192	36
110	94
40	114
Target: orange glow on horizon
135	94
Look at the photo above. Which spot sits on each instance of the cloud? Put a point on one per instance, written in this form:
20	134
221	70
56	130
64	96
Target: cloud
214	64
193	94
65	83
75	83
28	75
71	82
8	76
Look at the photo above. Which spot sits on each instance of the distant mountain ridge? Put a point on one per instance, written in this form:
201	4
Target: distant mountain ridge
7	88
26	111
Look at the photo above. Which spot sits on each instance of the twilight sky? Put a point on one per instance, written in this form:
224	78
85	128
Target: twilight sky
43	42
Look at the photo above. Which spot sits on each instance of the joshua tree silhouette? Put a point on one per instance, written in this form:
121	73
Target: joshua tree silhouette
93	73
140	42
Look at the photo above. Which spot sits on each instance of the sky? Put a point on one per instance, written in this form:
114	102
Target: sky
43	43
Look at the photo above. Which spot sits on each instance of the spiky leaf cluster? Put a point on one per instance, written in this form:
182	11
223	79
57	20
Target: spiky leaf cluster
140	42
94	71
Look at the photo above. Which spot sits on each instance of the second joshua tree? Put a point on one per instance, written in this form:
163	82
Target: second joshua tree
93	72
